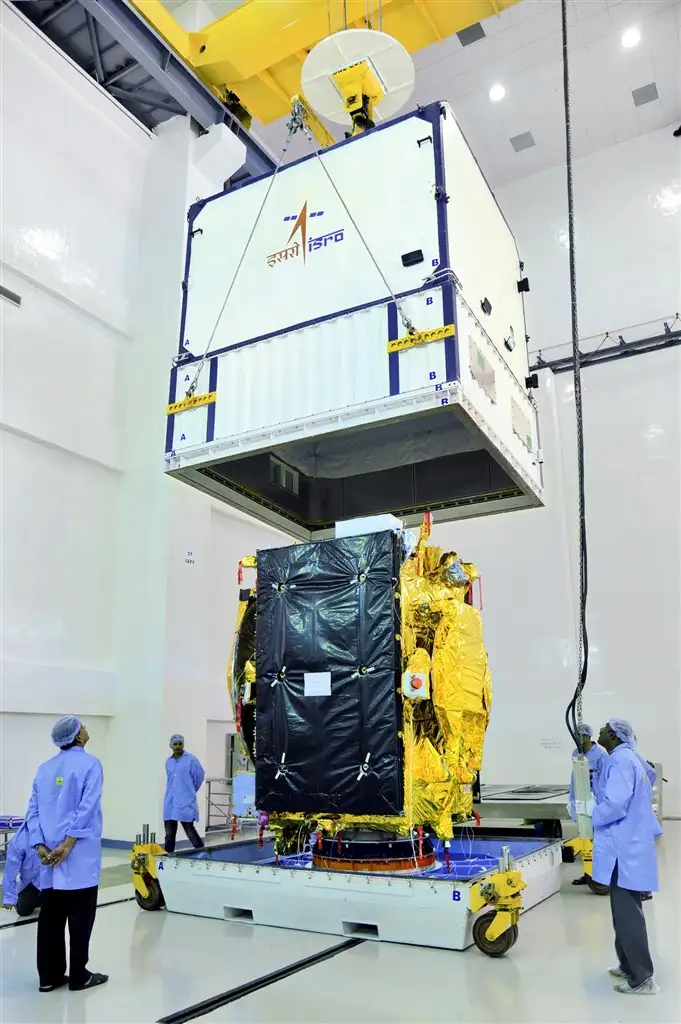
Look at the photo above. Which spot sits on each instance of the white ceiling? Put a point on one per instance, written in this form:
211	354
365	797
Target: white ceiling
522	51
193	15
216	7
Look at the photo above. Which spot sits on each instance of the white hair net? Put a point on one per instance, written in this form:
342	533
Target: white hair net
584	730
65	730
623	731
176	738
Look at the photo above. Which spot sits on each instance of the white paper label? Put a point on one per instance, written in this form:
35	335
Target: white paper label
317	684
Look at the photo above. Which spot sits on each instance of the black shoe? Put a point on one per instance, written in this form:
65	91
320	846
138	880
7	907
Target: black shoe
92	982
55	986
677	133
584	880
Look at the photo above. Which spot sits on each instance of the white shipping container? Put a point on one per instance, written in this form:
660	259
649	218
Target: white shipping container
302	416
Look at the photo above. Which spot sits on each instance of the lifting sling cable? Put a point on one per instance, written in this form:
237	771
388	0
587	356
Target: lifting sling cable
192	387
408	325
573	712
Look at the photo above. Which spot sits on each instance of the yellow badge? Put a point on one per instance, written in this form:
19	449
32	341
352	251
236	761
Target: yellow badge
60	780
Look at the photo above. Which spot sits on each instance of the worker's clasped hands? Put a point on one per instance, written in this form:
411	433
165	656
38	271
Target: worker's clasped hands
51	858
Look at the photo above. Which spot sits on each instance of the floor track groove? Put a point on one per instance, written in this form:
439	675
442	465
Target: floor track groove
249	987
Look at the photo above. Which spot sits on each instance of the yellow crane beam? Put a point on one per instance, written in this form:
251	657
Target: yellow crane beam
256	50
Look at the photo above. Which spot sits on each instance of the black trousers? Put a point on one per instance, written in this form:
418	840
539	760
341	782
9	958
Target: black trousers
28	900
77	908
631	935
171	834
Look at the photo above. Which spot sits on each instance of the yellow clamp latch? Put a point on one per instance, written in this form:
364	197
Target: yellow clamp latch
193	402
421	338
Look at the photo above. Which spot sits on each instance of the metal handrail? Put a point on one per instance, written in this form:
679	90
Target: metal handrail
218	804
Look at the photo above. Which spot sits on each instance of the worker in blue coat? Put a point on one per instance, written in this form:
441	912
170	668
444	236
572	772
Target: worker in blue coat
184	776
21	880
651	772
64	821
624	857
596	757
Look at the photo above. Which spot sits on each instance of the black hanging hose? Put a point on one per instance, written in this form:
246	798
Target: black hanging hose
573	712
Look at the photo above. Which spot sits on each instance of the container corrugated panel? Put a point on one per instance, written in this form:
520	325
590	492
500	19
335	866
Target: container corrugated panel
327	366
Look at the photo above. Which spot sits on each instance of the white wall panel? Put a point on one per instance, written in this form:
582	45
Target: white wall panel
29	687
216	743
232	537
72	165
59	373
58	518
71	182
26	743
633	493
628	224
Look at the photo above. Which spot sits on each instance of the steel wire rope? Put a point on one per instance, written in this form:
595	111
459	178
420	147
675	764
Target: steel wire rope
573	712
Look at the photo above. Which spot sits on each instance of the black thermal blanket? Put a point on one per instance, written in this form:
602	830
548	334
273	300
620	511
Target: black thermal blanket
328	710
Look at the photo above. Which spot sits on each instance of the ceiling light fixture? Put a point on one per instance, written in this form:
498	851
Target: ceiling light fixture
631	37
496	93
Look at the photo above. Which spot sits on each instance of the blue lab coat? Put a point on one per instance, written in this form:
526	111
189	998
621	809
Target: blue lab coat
596	758
184	776
67	801
22	862
648	769
624	825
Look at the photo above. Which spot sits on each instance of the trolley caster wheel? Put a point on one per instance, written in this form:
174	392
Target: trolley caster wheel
493	947
154	901
598	889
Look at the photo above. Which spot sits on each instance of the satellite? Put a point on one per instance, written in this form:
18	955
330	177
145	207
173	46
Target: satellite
362	694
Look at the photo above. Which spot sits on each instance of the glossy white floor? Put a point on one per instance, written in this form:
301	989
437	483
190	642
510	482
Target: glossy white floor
161	963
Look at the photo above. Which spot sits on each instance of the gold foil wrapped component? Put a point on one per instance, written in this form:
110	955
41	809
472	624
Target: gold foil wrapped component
443	732
234	679
419	661
443	736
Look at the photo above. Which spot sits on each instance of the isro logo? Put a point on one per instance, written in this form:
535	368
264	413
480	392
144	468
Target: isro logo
299	243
